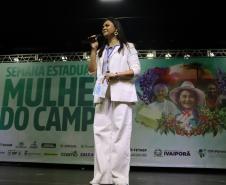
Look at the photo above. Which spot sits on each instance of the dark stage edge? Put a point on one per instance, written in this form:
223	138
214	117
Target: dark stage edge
12	173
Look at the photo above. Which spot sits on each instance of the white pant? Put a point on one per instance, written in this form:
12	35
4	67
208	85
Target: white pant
112	134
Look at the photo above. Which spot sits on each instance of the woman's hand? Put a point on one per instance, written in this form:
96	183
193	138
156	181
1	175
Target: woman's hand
125	75
93	42
110	77
94	45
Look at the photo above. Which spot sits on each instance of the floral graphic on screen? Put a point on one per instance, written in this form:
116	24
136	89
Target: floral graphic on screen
184	99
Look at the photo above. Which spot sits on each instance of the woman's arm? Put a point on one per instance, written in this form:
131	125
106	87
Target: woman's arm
92	66
133	59
134	65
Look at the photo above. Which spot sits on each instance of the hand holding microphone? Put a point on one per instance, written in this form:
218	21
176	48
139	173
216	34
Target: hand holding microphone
93	41
94	38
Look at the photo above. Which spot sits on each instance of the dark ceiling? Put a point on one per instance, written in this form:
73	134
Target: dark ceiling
151	24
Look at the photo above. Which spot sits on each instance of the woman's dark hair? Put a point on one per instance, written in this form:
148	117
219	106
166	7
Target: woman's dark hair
121	36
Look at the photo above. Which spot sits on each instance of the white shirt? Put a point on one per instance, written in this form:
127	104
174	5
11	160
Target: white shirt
122	90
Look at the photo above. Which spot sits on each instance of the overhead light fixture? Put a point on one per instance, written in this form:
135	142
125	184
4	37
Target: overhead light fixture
64	58
168	55
85	56
151	54
16	59
210	53
187	56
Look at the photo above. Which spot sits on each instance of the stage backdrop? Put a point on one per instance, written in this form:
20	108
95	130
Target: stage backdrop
46	113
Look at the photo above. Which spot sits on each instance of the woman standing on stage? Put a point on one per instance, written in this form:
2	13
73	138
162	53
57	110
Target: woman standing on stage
115	64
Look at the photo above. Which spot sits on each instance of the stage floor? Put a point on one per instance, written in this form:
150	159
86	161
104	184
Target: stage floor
55	175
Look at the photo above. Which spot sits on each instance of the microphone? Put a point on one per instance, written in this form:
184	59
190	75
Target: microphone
94	38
